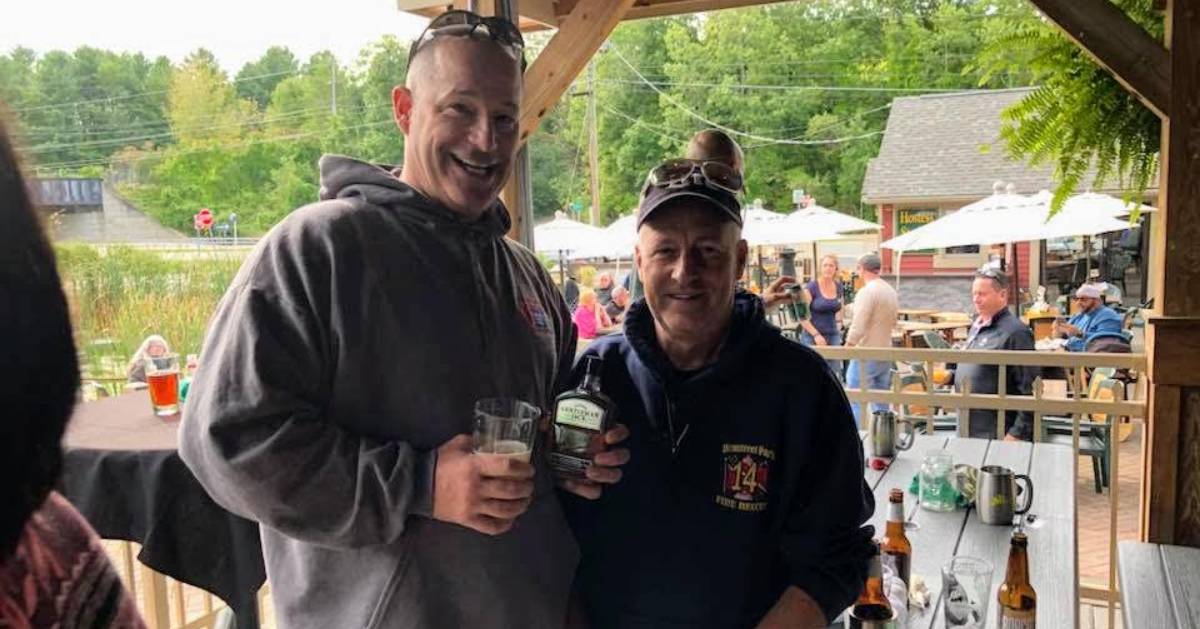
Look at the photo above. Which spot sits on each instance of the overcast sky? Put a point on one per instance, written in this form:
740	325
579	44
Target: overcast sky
236	31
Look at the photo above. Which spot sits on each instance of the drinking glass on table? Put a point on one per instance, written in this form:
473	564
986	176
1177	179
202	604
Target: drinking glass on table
505	427
162	379
966	592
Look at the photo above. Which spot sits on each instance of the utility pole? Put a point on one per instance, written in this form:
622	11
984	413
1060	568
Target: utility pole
593	144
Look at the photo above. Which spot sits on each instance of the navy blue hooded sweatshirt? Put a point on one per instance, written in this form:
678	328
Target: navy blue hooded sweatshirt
763	490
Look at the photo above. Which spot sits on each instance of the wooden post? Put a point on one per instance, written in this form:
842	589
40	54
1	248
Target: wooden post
1171	479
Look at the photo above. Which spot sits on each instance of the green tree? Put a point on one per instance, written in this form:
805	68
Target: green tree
257	79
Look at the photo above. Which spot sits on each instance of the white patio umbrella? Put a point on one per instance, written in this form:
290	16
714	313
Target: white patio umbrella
1105	204
562	236
824	219
615	241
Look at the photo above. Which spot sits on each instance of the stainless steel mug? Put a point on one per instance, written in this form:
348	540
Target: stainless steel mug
883	437
996	494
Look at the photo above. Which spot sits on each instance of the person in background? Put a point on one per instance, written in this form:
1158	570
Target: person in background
152	347
620	302
995	328
875	312
715	145
824	325
604	288
1094	320
590	318
54	571
570	290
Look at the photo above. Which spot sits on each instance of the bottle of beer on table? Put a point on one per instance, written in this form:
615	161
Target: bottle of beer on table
873	604
1017	608
897	550
581	417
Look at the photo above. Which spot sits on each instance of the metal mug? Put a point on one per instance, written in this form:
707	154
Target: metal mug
996	494
883	437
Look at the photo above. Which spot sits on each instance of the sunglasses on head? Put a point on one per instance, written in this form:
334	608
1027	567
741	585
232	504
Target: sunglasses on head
466	24
681	173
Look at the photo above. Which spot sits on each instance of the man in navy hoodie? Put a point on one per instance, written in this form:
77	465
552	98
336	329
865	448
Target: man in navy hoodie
743	502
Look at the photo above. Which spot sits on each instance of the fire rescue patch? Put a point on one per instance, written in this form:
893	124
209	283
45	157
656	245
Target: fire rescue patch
535	315
745	469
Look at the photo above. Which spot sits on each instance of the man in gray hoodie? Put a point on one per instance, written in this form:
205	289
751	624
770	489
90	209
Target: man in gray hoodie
340	370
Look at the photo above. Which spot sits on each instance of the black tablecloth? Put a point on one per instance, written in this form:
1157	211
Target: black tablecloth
123	472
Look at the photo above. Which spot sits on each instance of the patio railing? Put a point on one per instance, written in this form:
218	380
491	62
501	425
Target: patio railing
1073	404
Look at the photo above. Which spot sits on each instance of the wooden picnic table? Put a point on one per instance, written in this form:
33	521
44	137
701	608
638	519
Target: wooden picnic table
949	315
937	536
945	328
908	314
1160	585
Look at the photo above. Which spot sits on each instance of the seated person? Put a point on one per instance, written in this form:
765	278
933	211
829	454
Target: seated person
153	347
743	501
604	288
53	569
590	318
1093	321
616	308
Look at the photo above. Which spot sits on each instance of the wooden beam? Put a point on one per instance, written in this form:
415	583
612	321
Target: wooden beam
1171	483
643	10
540	11
1119	44
578	38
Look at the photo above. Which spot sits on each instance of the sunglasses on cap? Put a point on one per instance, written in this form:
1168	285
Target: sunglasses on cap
467	24
681	173
992	273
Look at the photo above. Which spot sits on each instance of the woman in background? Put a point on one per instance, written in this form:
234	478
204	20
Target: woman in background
590	319
824	325
53	570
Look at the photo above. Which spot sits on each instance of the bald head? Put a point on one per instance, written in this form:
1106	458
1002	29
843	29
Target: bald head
715	146
459	112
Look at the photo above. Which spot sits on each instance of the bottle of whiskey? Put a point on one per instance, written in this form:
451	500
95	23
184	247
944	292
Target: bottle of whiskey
897	550
873	604
1017	608
581	416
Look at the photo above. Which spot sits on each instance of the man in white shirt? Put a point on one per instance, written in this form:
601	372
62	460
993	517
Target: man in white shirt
875	311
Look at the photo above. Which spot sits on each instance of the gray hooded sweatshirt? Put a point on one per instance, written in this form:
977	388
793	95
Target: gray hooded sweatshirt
353	342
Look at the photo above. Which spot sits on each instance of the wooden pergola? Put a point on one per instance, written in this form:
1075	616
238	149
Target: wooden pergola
1165	77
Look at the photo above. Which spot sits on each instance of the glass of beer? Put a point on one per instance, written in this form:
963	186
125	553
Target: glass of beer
162	379
505	427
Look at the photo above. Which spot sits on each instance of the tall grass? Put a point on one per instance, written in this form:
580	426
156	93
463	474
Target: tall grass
119	295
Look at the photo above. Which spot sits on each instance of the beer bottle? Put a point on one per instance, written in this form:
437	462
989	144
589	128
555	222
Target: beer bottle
897	550
1017	608
581	417
873	604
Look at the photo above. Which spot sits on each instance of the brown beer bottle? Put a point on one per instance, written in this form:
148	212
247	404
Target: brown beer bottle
873	604
1017	608
897	550
581	417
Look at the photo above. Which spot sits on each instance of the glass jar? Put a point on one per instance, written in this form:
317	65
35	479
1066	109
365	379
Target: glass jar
937	491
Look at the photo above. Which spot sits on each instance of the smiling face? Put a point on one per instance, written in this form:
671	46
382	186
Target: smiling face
689	259
459	113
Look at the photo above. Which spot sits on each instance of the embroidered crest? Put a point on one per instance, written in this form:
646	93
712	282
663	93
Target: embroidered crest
535	315
745	471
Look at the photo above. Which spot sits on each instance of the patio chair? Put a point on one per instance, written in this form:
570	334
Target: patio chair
934	340
932	417
1095	431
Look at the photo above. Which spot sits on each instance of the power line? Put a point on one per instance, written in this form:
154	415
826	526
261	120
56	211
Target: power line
310	113
649	127
800	88
110	99
291	137
697	116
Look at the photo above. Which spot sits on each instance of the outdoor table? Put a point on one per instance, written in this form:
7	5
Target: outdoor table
1160	585
949	315
908	314
937	536
122	471
946	329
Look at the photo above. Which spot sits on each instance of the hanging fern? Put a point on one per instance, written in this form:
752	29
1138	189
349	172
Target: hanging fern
1079	116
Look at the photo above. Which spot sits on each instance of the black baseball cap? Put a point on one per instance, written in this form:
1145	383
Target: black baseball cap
723	202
